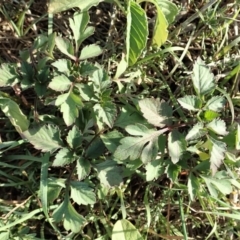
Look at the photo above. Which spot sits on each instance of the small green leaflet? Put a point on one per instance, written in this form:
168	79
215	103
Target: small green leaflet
144	145
74	137
60	83
124	230
90	51
45	138
190	102
203	79
218	126
63	157
81	193
157	113
217	154
196	132
176	145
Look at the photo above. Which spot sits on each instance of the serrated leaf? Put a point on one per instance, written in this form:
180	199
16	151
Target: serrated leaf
128	115
176	145
105	112
8	75
109	173
193	186
217	154
83	168
157	113
137	32
154	169
60	83
144	147
169	10
65	46
63	157
203	79
62	65
56	6
190	102
14	113
81	193
172	171
196	132
124	230
112	140
45	138
100	80
74	137
90	51
209	115
215	104
218	126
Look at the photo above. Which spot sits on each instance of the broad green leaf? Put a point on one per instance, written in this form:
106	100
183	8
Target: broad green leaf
203	79
112	140
62	65
70	103
56	6
74	137
209	115
196	132
176	145
128	115
215	104
144	145
8	75
83	168
78	24
193	186
157	113
45	138
191	103
14	113
217	154
60	83
169	9
90	51
238	137
223	185
137	32
124	230
63	157
81	193
218	126
65	46
154	169
109	173
105	112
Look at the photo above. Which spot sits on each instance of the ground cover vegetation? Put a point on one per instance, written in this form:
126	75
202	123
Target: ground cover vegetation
119	119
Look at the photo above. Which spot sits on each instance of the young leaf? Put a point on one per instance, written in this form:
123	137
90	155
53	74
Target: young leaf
74	137
63	157
218	126
191	103
203	79
154	169
56	6
144	147
14	113
137	32
8	75
176	145
65	46
196	132
81	193
60	83
157	113
215	104
209	115
124	230
83	168
169	10
105	112
45	138
109	173
217	154
90	51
